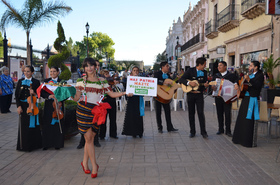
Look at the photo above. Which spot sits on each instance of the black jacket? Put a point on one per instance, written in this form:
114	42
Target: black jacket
255	85
228	76
158	75
191	74
22	91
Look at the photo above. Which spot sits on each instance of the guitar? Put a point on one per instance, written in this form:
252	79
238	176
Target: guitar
166	92
243	86
188	88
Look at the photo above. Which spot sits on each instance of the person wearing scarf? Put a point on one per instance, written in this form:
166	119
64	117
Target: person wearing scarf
161	76
51	134
6	91
195	98
29	133
249	111
133	121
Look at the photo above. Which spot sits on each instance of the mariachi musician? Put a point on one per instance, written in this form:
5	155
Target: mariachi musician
195	97
52	134
224	109
161	76
29	133
249	111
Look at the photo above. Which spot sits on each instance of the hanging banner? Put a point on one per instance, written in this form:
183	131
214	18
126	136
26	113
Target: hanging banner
141	86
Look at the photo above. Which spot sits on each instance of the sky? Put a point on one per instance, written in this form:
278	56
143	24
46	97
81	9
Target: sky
138	27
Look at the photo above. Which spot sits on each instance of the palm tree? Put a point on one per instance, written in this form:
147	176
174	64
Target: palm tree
269	67
33	13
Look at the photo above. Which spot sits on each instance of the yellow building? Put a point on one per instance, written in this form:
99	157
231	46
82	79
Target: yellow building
238	31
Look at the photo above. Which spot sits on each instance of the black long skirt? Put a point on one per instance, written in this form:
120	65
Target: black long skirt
133	122
51	134
28	138
244	128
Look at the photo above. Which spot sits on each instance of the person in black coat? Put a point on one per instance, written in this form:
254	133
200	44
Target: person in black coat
29	133
249	111
195	97
52	133
224	109
161	76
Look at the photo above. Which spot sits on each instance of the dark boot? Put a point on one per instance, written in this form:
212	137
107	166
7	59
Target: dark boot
82	142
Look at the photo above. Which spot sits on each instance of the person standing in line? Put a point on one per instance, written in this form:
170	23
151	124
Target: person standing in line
224	109
195	97
124	78
29	133
51	134
161	76
112	113
6	91
91	88
249	111
96	139
133	120
22	70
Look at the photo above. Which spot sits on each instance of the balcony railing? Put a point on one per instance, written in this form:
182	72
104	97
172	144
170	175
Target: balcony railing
251	9
211	29
196	39
228	18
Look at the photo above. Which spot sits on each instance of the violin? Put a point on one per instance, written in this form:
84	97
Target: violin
32	109
57	113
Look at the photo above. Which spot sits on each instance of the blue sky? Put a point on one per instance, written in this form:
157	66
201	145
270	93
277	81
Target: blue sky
138	27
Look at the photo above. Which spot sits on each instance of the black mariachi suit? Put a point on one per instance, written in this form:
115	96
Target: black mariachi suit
112	116
166	107
222	107
195	99
28	138
244	128
51	135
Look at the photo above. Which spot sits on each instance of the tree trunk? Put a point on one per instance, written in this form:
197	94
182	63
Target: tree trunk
27	49
270	84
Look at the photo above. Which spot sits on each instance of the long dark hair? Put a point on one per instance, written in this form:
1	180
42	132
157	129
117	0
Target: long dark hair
256	64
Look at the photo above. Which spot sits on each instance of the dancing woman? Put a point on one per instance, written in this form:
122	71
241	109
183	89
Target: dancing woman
91	88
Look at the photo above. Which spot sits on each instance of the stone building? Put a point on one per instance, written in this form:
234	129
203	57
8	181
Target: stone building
195	42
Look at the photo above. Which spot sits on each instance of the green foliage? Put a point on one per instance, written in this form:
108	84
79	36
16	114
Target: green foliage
270	64
33	13
57	60
98	44
72	47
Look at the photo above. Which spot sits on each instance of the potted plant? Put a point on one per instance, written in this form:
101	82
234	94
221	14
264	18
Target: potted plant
269	67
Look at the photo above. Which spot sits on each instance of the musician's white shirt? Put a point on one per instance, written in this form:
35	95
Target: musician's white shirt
224	73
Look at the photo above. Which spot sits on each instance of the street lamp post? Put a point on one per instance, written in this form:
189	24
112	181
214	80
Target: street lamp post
87	28
178	54
106	54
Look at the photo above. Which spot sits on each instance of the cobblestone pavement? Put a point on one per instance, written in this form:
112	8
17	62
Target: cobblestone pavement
168	158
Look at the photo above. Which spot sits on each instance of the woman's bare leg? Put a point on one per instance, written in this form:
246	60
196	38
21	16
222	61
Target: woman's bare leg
89	147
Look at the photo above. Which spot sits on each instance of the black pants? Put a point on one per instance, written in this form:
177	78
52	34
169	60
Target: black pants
223	109
166	108
196	99
5	103
113	123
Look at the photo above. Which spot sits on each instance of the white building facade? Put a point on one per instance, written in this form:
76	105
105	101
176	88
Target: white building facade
195	42
175	32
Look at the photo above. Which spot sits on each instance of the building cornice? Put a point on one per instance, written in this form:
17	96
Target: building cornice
245	35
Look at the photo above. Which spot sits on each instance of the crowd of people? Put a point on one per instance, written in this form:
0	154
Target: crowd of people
98	86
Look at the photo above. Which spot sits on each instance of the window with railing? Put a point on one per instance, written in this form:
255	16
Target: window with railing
246	4
210	26
231	12
196	39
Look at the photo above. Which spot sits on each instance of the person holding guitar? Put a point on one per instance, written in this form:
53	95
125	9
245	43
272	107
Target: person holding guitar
224	109
195	97
29	133
249	111
162	76
51	133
